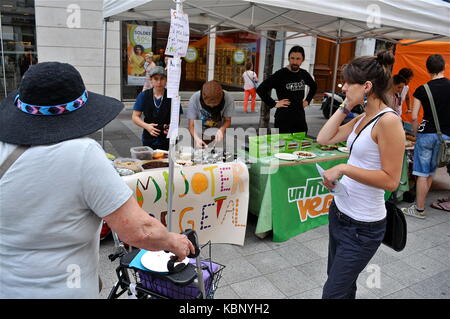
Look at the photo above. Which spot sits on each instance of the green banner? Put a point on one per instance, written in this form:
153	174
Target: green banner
288	197
302	202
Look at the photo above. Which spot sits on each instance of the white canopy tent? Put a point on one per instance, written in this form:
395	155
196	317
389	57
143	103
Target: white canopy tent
385	19
338	21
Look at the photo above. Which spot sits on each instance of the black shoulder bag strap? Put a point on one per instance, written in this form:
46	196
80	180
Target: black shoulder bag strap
19	150
435	116
370	122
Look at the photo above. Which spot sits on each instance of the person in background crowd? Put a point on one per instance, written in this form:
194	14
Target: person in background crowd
357	219
156	107
49	245
148	66
250	80
427	141
290	84
397	88
408	75
443	203
214	107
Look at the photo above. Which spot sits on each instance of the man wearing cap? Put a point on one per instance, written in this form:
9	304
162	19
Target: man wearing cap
156	107
57	185
214	107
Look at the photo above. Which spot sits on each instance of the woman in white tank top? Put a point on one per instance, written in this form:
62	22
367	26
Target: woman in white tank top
357	221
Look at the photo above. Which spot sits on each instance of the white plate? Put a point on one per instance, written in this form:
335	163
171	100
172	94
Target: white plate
343	149
286	156
157	261
306	156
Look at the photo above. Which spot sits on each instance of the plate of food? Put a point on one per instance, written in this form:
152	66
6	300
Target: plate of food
304	155
328	147
157	261
343	149
184	162
286	156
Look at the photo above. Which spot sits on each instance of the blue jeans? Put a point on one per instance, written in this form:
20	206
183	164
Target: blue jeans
425	154
351	247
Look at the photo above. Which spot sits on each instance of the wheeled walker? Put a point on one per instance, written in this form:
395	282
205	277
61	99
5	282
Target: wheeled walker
198	279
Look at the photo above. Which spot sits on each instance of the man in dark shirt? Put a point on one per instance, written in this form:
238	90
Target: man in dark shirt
289	84
427	142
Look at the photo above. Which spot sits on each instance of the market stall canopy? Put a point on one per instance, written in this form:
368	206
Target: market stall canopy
342	20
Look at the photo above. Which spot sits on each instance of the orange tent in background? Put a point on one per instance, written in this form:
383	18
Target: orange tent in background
414	56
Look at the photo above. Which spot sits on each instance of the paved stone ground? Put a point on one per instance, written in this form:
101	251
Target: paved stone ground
296	269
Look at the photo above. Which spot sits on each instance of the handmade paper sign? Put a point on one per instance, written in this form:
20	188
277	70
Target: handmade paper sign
211	199
173	76
174	119
178	40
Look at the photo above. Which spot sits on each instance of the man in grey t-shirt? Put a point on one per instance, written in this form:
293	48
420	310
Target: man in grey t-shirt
214	108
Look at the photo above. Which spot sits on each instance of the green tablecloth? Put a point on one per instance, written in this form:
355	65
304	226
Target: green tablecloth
287	195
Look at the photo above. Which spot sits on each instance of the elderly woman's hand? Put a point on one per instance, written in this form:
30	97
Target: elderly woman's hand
180	245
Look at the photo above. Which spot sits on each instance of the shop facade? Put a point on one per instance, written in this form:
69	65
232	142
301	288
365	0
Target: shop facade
18	35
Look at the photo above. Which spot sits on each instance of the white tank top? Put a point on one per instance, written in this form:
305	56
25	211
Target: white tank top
365	203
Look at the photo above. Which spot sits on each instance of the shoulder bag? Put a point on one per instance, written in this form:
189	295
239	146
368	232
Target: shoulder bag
443	158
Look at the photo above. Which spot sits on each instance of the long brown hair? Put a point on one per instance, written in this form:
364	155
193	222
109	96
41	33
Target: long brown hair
376	69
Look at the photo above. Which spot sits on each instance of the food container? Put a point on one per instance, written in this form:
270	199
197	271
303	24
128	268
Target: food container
154	164
128	163
142	153
185	156
124	171
291	144
160	154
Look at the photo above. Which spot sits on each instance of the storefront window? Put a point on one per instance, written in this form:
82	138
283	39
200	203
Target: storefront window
18	37
140	38
233	50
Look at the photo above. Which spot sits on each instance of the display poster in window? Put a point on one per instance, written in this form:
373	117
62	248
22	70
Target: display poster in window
139	43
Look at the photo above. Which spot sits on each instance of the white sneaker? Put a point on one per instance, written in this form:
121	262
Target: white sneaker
412	211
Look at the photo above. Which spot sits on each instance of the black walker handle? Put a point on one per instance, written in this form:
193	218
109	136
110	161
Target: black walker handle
192	236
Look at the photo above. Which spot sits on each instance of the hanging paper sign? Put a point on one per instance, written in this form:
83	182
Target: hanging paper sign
174	119
178	40
211	199
173	76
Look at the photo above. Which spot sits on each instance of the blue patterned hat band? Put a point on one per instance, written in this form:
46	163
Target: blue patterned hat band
54	109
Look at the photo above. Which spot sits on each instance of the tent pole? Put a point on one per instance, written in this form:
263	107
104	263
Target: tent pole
3	56
105	33
179	8
336	61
